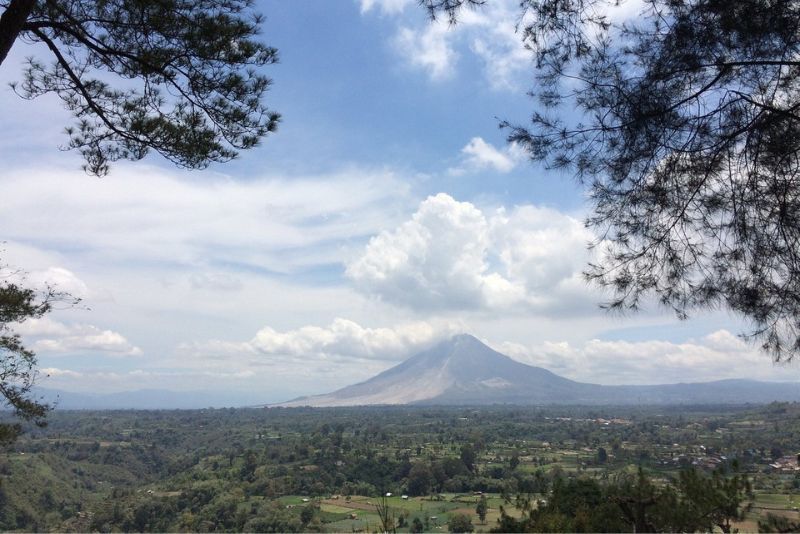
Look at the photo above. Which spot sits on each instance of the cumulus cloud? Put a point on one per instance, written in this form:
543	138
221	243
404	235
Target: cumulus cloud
479	155
716	356
57	278
347	338
60	279
52	336
343	338
452	255
42	327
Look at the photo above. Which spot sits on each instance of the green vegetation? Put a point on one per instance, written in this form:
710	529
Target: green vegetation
691	502
407	470
18	372
176	77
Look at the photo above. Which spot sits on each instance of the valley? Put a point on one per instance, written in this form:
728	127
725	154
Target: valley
326	470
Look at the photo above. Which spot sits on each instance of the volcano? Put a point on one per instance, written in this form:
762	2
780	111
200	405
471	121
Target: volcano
464	371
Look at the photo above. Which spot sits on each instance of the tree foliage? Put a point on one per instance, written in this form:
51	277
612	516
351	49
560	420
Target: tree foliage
460	523
385	514
778	523
482	508
18	372
683	121
635	503
175	76
419	479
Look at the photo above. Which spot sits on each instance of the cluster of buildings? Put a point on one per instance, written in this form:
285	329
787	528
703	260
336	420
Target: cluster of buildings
710	461
787	464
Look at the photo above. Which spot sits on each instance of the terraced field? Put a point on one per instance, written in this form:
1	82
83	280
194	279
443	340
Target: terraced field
358	513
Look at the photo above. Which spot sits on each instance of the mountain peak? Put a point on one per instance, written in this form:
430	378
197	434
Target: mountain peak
465	338
463	370
462	343
462	367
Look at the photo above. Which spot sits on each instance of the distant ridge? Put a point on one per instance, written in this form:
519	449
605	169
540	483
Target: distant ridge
464	371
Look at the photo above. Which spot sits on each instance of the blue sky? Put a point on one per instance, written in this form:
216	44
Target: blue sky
387	213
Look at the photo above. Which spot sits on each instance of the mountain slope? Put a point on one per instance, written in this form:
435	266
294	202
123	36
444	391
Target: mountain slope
462	366
463	371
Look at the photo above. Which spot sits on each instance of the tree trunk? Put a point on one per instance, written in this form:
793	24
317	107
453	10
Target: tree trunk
11	22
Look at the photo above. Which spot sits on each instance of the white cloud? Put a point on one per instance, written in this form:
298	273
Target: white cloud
342	338
480	155
489	32
52	336
504	59
42	327
437	257
90	339
494	39
389	7
61	280
428	48
58	279
148	215
717	356
452	255
347	338
539	246
724	341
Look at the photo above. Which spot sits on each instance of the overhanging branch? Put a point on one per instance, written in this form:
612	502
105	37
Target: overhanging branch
11	23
